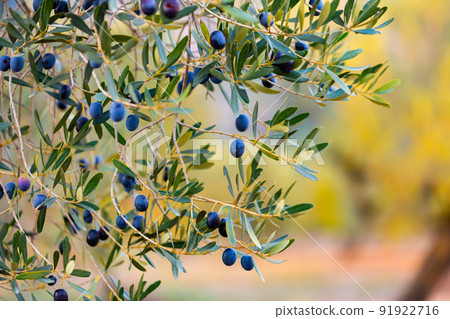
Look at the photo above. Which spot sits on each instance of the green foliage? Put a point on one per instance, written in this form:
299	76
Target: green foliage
49	149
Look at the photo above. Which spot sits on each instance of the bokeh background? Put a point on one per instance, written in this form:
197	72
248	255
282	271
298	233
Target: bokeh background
380	227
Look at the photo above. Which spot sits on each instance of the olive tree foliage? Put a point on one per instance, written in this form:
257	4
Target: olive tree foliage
42	143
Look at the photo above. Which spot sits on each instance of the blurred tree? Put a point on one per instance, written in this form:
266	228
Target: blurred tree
406	157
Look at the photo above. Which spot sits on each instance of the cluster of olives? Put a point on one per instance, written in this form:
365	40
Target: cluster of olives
229	255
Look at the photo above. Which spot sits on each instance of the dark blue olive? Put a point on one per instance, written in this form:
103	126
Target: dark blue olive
60	247
137	222
64	92
132	122
88	5
120	176
213	220
128	181
82	120
5	62
53	280
84	164
96	110
60	105
36	4
196	70
120	221
263	20
48	61
87	216
10	188
1	192
148	7
170	8
267	79
24	183
103	233
242	122
17	63
92	237
285	67
229	256
319	6
237	148
138	96
60	295
171	72
117	112
95	65
38	200
62	7
217	40
166	174
190	80
247	262
223	227
214	79
301	46
141	203
98	160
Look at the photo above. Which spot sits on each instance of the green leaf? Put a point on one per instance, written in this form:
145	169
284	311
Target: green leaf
92	184
19	19
160	47
138	265
239	15
18	81
79	23
338	81
377	100
230	230
255	120
111	131
33	275
6	43
41	219
123	168
4	125
219	75
369	9
203	73
145	58
386	88
111	85
45	8
179	110
105	38
250	232
299	208
80	273
57	79
256	73
40	129
280	46
175	54
124	49
280	247
150	289
66	251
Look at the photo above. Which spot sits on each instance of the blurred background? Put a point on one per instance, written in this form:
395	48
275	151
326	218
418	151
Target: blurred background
381	223
380	227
